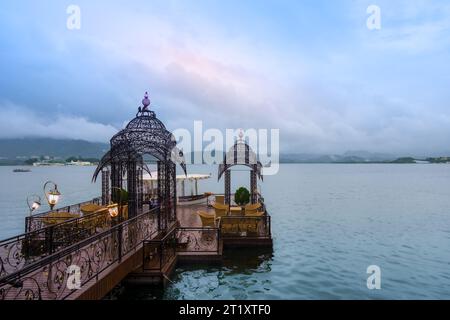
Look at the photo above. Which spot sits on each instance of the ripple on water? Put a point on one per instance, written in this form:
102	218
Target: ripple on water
329	224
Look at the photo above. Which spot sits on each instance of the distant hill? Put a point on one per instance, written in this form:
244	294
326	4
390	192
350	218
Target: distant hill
347	157
369	156
17	149
404	160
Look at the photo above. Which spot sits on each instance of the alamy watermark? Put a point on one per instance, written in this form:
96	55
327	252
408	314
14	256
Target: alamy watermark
374	279
209	146
73	21
74	277
374	20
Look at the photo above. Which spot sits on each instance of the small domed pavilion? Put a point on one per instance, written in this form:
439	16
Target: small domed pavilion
241	154
143	135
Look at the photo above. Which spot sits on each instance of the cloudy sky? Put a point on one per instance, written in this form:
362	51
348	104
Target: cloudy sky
309	68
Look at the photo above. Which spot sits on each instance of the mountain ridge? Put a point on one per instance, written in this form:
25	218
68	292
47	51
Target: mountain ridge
25	148
18	150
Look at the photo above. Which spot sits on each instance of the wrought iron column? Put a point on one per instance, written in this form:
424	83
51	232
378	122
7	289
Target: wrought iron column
131	186
105	186
140	189
173	191
167	205
253	184
227	187
161	196
116	180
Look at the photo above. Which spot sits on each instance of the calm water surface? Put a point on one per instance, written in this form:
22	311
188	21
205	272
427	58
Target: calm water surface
329	223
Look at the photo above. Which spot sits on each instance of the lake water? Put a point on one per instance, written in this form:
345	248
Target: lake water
329	223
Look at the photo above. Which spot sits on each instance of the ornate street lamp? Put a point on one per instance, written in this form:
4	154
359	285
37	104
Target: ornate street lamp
52	195
113	210
33	202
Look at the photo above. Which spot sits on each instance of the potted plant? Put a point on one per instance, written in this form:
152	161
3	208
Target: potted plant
242	196
121	196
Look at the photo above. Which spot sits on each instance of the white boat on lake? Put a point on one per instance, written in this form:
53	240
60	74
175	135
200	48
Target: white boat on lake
183	181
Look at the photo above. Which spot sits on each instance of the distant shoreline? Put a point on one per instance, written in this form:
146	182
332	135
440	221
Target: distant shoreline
337	163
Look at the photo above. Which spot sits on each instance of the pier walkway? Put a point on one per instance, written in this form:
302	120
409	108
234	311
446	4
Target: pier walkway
75	253
84	258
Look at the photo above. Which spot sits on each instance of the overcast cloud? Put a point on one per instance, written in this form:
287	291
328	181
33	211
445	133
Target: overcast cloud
311	69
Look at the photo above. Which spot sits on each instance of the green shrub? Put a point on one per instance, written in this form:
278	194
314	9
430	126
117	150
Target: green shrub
121	195
242	196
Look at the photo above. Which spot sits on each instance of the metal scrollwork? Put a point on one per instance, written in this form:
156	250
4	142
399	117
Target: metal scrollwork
47	279
198	239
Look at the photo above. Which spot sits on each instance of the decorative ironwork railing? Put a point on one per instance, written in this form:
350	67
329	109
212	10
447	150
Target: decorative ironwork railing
22	250
245	226
37	221
157	253
201	240
52	277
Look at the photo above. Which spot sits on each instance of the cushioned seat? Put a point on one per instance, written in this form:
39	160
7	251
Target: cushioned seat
90	208
252	208
221	210
236	211
220	199
58	217
99	219
208	219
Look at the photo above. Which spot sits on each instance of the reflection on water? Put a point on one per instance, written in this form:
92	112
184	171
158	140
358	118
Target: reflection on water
240	275
240	260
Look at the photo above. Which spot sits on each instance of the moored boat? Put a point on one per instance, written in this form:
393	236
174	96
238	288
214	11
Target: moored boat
150	188
194	199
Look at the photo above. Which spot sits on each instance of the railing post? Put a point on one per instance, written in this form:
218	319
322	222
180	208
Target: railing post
143	256
119	241
218	240
27	224
160	255
50	246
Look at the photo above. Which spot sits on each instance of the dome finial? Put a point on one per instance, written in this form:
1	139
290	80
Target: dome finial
145	101
241	135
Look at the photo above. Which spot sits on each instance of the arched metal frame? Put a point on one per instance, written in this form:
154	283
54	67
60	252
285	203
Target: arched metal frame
144	135
241	154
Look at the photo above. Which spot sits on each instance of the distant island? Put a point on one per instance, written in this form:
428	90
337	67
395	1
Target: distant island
72	161
47	151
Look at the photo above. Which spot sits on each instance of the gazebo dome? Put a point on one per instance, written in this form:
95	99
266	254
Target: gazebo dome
241	154
145	134
145	120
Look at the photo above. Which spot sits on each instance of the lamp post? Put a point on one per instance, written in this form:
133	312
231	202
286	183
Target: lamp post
33	202
52	195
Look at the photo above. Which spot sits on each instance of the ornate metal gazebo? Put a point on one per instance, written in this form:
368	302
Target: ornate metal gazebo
144	135
241	154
